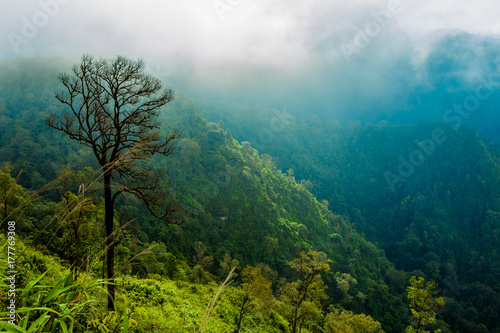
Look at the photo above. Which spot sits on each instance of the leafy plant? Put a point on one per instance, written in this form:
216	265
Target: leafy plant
55	307
113	322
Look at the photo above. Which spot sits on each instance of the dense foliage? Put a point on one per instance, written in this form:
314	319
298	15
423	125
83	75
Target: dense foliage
253	204
428	194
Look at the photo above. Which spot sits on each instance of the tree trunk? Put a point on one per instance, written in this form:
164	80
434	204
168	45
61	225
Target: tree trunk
103	261
418	325
110	246
295	317
242	309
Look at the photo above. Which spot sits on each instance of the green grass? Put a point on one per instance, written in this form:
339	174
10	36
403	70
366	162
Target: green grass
53	301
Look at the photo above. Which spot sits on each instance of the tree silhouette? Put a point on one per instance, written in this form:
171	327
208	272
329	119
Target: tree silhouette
112	107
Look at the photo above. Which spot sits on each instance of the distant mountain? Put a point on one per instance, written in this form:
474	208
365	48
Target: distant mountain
396	78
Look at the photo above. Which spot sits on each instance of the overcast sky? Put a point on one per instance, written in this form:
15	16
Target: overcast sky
207	32
337	57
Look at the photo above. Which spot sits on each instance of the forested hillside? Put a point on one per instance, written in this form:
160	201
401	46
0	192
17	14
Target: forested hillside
427	194
239	208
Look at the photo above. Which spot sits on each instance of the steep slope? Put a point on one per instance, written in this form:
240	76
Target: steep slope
237	202
240	204
429	194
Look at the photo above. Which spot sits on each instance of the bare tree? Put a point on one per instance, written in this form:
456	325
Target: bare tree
112	107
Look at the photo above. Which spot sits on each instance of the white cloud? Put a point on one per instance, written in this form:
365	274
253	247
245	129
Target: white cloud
257	31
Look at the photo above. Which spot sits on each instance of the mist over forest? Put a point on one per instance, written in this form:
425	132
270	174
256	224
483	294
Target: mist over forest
236	166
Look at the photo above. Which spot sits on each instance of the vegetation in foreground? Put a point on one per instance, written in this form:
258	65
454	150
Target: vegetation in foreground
58	301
